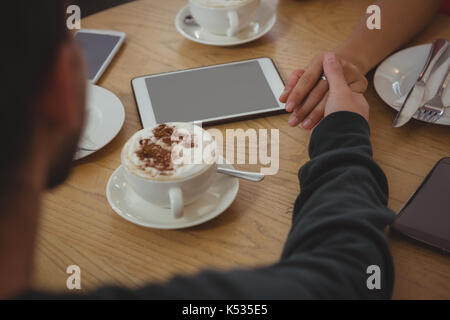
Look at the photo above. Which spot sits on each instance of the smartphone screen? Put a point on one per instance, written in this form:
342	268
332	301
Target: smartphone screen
426	216
98	49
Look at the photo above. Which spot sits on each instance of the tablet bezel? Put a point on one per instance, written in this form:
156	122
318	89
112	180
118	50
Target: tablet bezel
145	108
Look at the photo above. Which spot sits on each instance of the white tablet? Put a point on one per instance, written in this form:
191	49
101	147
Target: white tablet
211	95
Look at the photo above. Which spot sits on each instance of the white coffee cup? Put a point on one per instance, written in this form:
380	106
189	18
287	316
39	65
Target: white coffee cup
173	193
224	20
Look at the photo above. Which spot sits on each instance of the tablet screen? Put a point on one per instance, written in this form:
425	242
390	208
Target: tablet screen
212	92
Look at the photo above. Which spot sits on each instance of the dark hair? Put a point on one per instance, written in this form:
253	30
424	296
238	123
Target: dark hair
32	33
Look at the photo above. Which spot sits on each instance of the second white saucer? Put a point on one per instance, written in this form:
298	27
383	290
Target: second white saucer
130	206
263	24
105	116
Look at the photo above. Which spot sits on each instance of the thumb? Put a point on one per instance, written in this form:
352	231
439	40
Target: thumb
334	72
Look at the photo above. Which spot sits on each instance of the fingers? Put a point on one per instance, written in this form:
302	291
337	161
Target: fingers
308	98
355	79
334	73
304	85
313	99
361	101
292	81
360	85
316	115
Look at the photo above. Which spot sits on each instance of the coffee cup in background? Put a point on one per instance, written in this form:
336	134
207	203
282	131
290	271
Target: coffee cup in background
224	17
171	165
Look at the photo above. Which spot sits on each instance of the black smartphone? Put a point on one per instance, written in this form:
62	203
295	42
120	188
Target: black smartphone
426	215
100	47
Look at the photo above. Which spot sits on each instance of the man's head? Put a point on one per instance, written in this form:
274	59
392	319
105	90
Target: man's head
42	90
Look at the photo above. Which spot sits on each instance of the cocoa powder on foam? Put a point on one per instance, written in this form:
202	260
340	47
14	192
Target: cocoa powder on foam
160	156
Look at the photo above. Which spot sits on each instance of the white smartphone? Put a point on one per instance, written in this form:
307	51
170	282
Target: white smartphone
211	95
100	47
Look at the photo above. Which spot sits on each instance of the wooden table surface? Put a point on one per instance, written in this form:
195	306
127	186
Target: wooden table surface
79	227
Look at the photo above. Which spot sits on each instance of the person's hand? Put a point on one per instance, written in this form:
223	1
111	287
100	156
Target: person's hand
341	97
305	95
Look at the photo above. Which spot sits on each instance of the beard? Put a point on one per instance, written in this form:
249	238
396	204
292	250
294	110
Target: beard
63	161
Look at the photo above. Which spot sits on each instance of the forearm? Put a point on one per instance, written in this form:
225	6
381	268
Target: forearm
341	212
336	234
337	231
400	21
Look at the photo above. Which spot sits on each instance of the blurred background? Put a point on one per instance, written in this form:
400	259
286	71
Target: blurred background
89	7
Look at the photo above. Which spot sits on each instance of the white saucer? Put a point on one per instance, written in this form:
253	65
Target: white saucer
263	24
105	116
127	204
397	74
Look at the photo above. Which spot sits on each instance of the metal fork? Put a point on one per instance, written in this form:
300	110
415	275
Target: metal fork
433	109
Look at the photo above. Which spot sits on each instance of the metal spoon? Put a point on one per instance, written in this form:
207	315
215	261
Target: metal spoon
252	176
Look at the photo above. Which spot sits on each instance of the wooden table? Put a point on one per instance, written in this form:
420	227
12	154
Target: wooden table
79	227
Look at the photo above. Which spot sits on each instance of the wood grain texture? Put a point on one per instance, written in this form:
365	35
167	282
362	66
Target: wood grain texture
78	226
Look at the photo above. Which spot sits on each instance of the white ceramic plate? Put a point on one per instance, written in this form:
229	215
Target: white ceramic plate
397	74
105	116
264	22
130	206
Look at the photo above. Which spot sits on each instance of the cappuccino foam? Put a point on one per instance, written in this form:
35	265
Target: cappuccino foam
169	151
222	3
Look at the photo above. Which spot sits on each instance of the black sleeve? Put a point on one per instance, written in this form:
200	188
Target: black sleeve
337	231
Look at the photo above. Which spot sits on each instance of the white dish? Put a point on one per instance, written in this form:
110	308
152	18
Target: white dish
263	23
396	75
127	204
105	116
